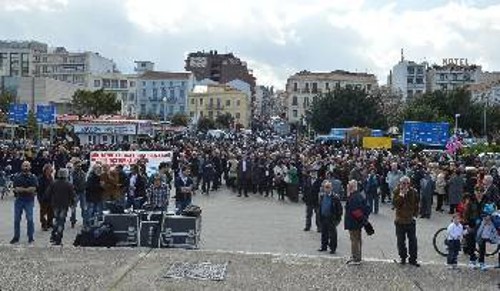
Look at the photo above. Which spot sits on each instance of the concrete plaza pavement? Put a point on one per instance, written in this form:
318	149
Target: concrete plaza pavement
261	237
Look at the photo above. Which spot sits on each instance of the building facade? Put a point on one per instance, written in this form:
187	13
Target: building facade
213	100
16	57
71	67
303	87
122	85
163	94
408	79
452	76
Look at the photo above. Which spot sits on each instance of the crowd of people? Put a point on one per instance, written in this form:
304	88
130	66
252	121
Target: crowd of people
324	176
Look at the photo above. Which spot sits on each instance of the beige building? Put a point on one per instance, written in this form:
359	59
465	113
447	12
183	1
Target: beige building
303	87
122	85
213	100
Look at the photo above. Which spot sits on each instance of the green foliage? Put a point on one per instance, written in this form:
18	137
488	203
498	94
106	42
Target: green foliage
6	98
32	126
224	120
442	106
180	119
346	108
95	103
204	124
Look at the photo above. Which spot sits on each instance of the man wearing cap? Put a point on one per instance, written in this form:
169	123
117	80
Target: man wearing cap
62	197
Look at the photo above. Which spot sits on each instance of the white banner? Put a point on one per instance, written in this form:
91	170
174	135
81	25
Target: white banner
121	129
127	158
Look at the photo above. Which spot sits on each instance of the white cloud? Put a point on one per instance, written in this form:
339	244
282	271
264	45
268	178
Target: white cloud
27	5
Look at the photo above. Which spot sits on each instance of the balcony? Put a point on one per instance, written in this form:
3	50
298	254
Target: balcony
215	107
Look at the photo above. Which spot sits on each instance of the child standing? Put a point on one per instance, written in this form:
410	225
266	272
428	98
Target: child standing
455	233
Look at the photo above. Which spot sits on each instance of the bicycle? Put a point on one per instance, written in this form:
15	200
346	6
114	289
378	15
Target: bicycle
439	242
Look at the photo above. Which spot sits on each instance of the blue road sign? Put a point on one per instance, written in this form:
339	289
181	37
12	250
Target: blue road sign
46	114
426	133
18	113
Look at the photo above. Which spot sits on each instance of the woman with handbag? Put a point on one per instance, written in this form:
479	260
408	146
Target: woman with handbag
356	214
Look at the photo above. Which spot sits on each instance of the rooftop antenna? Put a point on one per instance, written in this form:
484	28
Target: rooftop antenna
402	55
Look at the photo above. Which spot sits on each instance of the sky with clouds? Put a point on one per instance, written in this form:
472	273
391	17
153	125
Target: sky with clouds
276	37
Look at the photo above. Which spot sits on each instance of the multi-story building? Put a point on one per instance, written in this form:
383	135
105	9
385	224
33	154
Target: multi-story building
213	100
263	104
452	75
303	87
221	68
408	79
71	67
16	57
122	85
163	94
486	93
34	91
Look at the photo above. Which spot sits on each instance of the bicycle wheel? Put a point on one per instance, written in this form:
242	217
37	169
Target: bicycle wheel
439	242
491	249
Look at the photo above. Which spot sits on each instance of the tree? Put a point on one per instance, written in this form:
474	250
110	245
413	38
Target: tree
180	119
204	124
224	120
6	98
346	107
32	126
95	103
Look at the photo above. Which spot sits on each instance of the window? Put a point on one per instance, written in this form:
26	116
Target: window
295	101
455	77
420	80
132	84
106	83
295	87
143	84
210	114
154	83
172	93
294	113
155	93
131	97
368	87
183	83
410	80
441	77
191	114
171	83
171	109
154	108
327	86
104	138
307	88
114	83
123	83
237	115
143	109
201	101
418	92
306	102
420	71
143	92
238	103
182	93
411	70
192	101
181	109
228	103
97	83
410	93
163	92
162	83
314	87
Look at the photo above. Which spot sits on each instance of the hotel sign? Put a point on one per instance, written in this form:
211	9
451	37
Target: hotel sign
455	61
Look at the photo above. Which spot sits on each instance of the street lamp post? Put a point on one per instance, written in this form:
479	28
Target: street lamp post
164	108
456	123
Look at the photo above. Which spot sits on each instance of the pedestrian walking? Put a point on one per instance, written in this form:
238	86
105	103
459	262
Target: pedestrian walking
356	214
62	195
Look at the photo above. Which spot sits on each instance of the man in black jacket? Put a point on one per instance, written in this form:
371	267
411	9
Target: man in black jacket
331	211
94	195
62	194
312	186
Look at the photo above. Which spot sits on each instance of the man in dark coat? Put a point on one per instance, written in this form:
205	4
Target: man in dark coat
426	192
245	175
94	195
183	189
356	214
312	186
330	210
62	194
